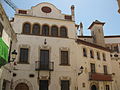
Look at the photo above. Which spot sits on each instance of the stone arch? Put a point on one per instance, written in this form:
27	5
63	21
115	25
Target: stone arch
22	81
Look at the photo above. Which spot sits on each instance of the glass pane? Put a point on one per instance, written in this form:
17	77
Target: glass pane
26	28
63	32
24	55
54	31
36	29
45	30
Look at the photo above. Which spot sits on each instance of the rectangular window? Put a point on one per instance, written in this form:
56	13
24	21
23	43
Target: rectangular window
43	85
84	52
105	69
91	54
64	58
107	87
65	85
92	67
44	59
23	55
1	29
98	55
104	56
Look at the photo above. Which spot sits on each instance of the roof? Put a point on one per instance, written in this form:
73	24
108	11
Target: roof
112	36
79	41
96	22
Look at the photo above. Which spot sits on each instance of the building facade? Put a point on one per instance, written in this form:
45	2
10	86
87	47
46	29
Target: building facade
51	56
7	36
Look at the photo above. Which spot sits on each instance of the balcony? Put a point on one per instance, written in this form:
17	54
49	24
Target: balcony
100	77
44	66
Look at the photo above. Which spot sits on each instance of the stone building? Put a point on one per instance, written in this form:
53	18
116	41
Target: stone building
7	36
52	56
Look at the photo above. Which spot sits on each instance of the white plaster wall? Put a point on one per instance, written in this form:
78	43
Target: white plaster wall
55	13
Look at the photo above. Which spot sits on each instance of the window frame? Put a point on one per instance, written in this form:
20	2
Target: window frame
65	33
33	27
91	54
23	29
63	84
68	59
98	55
92	67
105	69
26	61
84	52
107	87
45	32
104	56
54	30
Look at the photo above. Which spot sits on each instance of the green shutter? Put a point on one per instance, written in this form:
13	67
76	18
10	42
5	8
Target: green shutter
3	53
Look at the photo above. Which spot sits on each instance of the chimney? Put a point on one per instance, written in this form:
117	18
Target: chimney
81	29
72	12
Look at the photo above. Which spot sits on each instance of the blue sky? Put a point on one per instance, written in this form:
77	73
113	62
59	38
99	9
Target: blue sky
86	11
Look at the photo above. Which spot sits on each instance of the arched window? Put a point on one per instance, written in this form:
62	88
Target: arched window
45	30
54	31
26	28
36	29
63	32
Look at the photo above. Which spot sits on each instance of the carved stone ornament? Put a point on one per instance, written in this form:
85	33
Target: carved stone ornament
46	9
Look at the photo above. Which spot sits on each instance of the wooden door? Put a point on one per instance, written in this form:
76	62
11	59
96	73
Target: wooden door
22	86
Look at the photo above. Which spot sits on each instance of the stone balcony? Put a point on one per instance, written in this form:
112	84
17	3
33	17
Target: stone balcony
100	77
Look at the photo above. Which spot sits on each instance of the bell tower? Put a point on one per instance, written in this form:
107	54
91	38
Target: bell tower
97	32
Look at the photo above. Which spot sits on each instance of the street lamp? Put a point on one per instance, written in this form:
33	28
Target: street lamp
81	70
14	54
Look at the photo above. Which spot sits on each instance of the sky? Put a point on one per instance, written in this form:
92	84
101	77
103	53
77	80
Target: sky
86	11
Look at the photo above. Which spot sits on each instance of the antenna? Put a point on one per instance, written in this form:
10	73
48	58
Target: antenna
11	4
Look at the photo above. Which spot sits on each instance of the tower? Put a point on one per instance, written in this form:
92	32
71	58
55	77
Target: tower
73	12
97	32
81	29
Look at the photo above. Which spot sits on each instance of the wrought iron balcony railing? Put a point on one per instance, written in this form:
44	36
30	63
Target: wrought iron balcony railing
40	66
100	77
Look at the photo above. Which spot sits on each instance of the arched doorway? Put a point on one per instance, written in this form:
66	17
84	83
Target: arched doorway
22	86
93	87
